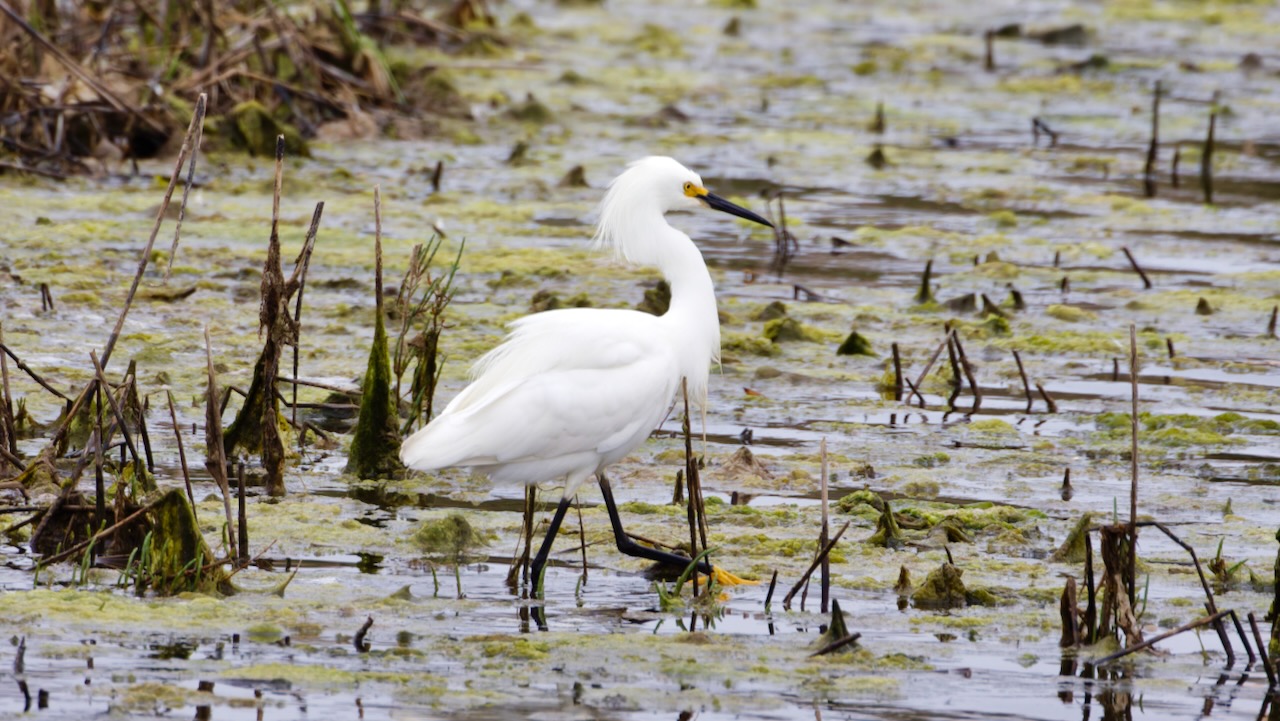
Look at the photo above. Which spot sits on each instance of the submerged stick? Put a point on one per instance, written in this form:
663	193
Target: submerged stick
786	602
1048	399
242	517
1206	156
826	529
897	373
957	380
1271	324
1267	664
836	645
1026	387
1204	621
929	366
1149	170
968	372
1133	262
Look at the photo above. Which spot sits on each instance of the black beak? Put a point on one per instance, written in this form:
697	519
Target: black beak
715	202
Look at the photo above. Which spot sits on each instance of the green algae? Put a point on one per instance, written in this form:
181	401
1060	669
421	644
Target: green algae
786	329
943	588
451	538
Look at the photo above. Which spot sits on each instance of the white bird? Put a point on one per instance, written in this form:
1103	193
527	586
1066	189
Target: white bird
571	391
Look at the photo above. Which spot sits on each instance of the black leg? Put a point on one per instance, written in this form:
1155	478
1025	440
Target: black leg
540	560
630	547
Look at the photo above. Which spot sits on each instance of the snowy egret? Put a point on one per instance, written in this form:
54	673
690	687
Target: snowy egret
571	391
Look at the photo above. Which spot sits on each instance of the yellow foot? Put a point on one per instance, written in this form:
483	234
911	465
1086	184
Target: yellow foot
724	578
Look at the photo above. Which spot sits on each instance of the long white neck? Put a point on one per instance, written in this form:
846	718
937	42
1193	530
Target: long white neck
692	320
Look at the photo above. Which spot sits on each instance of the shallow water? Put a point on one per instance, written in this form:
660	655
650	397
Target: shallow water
784	105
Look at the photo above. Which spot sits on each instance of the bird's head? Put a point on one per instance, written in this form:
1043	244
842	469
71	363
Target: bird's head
645	191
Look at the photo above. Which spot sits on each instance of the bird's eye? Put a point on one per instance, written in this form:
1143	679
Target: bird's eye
688	187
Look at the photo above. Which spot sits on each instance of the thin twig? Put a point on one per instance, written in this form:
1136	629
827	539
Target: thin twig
836	645
786	602
34	376
1026	386
1133	462
1146	282
182	453
929	366
105	387
1267	665
197	120
1048	399
968	372
215	453
1156	639
826	530
186	189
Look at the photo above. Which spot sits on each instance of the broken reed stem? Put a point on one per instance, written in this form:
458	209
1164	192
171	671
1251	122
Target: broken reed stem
582	536
34	376
1248	648
104	533
186	188
142	410
1204	621
104	388
1146	282
300	268
1048	399
197	120
242	518
1149	170
968	372
99	482
1206	157
1091	603
1271	324
773	584
215	452
182	453
1026	386
826	530
786	602
690	469
1195	560
377	247
957	380
929	366
1267	664
9	446
897	373
836	645
1133	464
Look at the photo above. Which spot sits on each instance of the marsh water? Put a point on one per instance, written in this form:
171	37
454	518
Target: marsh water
779	96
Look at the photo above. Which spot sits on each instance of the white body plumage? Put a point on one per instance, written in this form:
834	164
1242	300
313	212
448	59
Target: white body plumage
572	391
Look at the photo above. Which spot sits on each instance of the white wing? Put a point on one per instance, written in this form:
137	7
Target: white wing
567	393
